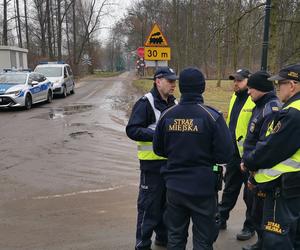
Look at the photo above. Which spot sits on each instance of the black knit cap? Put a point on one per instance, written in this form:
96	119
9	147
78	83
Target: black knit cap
191	80
259	80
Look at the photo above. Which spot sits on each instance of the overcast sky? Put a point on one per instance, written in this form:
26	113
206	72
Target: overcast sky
118	12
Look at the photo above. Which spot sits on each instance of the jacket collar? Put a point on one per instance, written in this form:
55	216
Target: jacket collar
292	99
242	94
157	97
265	98
191	98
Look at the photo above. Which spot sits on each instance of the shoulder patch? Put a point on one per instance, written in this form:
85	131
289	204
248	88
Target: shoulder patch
271	107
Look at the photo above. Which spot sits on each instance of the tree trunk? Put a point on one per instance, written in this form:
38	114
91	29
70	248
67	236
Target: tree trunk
19	25
274	37
74	34
5	39
67	31
26	25
49	33
59	33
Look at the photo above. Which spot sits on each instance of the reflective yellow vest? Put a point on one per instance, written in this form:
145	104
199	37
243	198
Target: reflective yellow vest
145	149
242	121
291	164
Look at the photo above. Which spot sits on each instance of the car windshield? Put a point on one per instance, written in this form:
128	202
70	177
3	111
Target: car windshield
50	71
13	78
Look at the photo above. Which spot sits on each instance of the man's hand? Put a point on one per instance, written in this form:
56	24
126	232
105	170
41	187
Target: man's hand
250	185
243	167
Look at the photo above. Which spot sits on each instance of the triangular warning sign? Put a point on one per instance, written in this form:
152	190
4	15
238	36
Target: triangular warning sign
156	38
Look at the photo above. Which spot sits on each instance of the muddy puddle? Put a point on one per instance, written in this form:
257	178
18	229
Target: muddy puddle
60	112
123	103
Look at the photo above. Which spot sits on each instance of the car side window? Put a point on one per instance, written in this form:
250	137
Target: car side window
65	72
42	78
30	79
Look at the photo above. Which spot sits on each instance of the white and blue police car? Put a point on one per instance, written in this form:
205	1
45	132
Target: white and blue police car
24	88
60	74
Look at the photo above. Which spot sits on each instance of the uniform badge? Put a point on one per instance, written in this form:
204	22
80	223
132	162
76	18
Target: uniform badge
276	128
274	227
252	127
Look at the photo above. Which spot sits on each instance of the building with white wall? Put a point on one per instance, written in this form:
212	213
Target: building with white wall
13	57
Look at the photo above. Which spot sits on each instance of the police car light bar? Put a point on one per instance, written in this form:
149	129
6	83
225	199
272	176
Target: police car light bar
56	62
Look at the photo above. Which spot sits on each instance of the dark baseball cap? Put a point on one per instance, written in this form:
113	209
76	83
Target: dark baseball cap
240	75
165	72
291	72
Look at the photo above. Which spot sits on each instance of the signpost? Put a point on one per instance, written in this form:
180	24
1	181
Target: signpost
156	47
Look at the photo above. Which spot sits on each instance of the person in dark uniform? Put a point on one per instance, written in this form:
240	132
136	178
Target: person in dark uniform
194	137
275	162
140	128
240	111
262	93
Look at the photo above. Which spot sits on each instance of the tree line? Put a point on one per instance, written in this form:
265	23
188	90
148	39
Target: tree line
55	29
218	36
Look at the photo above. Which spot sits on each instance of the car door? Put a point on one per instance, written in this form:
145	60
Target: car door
67	79
35	89
44	86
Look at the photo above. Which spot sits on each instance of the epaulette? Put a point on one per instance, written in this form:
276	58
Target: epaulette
214	114
271	107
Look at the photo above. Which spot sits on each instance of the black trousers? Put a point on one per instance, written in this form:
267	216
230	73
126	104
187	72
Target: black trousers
151	207
257	211
281	223
201	210
234	179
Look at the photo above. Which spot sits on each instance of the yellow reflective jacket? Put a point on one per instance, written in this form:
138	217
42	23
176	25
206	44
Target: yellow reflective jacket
242	122
291	164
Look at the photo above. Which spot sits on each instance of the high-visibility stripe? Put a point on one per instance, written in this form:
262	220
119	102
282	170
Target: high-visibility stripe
289	165
145	149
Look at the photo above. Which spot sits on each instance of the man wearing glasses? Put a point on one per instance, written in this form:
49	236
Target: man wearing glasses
276	166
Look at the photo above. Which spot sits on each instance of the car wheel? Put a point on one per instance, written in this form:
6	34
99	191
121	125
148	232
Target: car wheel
64	94
28	102
73	89
49	97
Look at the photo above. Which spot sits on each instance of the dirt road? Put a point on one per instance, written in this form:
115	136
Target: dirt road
69	174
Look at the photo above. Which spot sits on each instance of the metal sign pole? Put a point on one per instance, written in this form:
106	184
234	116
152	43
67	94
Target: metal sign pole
264	57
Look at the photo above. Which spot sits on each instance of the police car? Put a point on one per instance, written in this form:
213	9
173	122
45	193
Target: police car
24	88
60	74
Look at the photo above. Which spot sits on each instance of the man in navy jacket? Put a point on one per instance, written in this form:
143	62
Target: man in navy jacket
194	138
267	105
140	128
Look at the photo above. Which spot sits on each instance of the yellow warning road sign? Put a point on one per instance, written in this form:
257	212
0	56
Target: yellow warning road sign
156	38
157	53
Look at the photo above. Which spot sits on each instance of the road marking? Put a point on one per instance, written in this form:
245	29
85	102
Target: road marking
76	193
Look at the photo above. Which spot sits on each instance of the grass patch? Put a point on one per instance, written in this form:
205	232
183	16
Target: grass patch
107	73
217	97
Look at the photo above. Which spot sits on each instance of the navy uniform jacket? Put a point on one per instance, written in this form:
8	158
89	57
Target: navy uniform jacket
141	117
279	145
194	137
262	115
